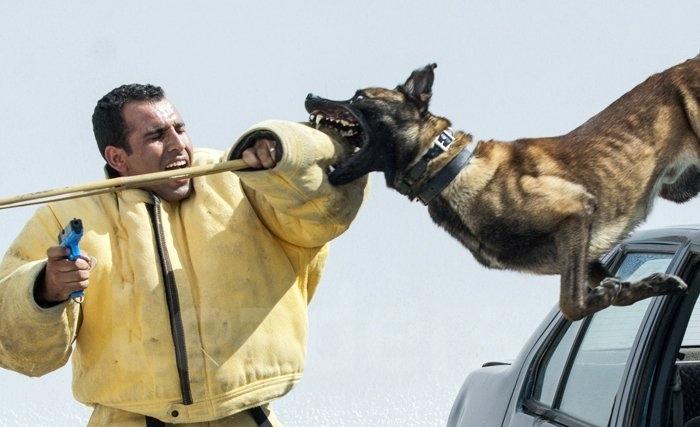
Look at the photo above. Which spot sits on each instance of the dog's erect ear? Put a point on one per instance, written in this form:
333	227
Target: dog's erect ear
419	86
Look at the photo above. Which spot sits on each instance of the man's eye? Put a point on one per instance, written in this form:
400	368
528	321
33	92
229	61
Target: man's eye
155	137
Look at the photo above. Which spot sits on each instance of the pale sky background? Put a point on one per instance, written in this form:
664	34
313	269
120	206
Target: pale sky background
404	313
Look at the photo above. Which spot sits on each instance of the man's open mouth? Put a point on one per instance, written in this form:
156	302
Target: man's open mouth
176	164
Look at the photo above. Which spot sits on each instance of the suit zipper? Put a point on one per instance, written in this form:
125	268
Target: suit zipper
176	327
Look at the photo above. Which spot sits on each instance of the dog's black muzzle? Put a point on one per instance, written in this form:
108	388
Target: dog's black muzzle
368	158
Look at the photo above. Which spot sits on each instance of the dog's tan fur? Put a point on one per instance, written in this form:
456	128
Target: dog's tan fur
555	205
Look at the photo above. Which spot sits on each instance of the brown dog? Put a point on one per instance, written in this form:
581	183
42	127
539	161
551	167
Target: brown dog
543	205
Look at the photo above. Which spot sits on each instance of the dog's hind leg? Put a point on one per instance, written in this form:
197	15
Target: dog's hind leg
684	188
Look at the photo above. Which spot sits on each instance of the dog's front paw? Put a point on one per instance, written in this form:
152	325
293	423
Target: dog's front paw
666	284
612	286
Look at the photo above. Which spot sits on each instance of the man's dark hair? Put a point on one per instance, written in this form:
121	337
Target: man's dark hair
107	120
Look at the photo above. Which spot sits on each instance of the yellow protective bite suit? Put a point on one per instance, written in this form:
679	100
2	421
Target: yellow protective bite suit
196	310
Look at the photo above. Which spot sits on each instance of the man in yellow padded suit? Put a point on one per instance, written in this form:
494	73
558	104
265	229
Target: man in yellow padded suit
196	290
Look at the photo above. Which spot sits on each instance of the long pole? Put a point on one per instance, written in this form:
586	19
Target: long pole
117	184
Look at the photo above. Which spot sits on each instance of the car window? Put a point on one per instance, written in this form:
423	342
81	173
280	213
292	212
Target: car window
553	365
588	379
597	369
692	332
640	265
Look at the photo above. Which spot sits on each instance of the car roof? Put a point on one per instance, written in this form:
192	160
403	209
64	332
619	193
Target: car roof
673	234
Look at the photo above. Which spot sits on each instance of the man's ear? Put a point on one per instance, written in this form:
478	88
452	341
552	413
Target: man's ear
419	86
116	158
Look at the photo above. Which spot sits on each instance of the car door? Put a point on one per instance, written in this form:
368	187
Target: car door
575	376
661	387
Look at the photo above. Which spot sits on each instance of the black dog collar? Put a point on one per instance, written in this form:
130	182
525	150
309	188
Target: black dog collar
437	183
441	179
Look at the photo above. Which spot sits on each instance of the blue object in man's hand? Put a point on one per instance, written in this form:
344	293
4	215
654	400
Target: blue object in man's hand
70	238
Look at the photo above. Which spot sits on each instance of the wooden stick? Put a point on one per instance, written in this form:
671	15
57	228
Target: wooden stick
118	184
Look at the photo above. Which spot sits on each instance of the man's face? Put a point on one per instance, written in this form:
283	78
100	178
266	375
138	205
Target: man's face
158	140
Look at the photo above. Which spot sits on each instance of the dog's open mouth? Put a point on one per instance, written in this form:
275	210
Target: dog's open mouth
341	121
344	120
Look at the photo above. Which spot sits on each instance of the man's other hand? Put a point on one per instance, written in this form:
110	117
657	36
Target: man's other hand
63	276
264	154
